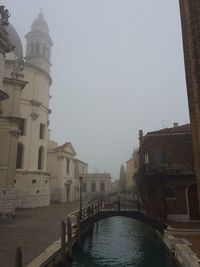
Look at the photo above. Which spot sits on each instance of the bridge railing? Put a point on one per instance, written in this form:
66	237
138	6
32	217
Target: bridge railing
78	223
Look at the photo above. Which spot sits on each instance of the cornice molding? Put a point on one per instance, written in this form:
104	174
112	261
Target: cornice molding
20	83
29	65
32	172
45	73
35	103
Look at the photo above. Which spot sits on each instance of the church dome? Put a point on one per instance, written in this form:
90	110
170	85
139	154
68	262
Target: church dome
40	24
14	40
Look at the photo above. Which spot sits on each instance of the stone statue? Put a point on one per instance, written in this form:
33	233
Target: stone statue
4	16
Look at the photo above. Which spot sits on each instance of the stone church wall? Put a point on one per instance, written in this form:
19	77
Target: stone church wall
32	189
7	203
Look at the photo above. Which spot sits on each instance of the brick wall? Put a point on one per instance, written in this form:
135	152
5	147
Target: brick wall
190	18
169	168
177	150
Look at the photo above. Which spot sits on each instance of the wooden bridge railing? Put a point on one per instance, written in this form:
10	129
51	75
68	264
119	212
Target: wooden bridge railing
76	225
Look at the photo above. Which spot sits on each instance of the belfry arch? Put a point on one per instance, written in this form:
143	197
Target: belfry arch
190	20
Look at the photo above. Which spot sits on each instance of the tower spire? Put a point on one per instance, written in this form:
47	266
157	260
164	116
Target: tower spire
39	43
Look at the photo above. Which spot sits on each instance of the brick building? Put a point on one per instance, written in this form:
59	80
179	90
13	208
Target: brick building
190	18
166	177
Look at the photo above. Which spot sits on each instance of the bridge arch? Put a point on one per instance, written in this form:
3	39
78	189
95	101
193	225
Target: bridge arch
136	214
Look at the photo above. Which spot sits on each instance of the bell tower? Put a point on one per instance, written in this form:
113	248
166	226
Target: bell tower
39	43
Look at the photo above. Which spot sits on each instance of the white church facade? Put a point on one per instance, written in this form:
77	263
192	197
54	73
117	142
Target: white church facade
26	110
32	181
10	95
33	170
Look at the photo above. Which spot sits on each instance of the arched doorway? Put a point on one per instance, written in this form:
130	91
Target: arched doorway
193	202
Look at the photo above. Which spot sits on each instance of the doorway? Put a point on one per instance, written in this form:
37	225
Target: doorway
193	202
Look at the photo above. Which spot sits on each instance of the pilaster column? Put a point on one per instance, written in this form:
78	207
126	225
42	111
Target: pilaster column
14	135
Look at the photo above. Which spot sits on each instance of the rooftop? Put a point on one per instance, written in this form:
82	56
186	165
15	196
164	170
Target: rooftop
185	128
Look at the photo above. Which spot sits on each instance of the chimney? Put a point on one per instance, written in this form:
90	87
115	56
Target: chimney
140	136
175	124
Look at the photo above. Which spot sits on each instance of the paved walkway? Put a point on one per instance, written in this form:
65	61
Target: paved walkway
189	231
185	225
33	230
194	241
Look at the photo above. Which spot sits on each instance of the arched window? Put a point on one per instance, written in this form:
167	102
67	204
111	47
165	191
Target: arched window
41	158
37	48
44	49
20	156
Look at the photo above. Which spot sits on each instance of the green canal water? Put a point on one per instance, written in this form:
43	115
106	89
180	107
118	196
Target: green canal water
121	242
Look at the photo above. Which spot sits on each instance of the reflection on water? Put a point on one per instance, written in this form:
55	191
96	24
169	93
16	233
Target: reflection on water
121	242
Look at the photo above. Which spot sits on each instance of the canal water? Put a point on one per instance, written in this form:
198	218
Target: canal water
121	242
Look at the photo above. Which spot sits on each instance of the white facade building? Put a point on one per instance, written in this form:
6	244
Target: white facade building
10	91
32	180
60	165
96	183
80	168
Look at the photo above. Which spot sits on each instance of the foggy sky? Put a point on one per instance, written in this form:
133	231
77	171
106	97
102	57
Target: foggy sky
117	67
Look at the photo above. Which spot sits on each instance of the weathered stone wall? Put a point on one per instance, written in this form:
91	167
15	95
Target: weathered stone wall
8	141
32	189
7	203
190	18
97	179
58	194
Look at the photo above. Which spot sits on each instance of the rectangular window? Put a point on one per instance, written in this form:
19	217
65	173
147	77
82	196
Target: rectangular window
146	158
170	192
42	131
93	187
22	126
67	166
102	187
84	187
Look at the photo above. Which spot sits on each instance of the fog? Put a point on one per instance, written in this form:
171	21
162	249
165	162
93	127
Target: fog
117	67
